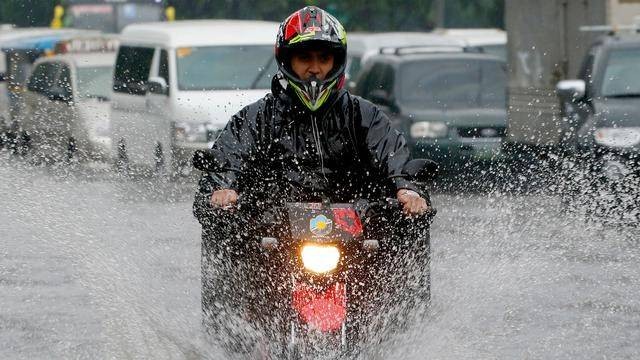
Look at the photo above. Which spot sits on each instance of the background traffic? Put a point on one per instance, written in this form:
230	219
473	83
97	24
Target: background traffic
95	266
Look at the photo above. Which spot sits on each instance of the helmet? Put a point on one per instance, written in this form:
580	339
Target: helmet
312	28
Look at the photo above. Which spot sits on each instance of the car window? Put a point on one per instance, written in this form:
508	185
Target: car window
225	67
361	81
64	79
622	73
371	80
453	83
387	78
132	69
94	82
493	78
42	77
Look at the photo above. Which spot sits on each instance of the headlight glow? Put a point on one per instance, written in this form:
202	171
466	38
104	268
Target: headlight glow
618	137
429	129
320	258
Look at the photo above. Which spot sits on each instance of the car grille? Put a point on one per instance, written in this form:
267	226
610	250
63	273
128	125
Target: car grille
482	132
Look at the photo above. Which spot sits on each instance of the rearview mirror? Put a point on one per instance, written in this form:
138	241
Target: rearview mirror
59	93
157	85
421	170
571	90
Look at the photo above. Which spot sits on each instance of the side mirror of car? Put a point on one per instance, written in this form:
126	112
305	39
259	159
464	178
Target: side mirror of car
204	160
3	77
59	93
571	90
157	85
421	170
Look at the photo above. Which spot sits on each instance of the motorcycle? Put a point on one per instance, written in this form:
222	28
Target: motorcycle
312	276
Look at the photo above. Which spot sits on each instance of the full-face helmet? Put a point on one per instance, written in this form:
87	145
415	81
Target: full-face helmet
312	28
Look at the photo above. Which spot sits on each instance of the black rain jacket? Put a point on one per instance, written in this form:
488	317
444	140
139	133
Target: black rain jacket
276	149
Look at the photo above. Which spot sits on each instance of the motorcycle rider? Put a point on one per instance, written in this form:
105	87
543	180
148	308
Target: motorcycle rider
308	140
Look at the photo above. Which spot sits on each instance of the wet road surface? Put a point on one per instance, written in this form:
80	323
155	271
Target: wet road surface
94	267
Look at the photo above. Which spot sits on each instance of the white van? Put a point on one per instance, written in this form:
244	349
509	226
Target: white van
177	84
66	100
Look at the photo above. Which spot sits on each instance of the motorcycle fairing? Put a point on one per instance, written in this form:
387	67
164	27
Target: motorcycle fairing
337	222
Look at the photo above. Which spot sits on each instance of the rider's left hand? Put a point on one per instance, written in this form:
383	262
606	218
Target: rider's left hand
412	203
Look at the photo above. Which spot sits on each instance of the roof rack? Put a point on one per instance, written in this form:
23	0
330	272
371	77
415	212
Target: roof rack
422	49
613	29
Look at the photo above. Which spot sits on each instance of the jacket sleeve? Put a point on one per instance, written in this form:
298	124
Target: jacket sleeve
387	147
236	145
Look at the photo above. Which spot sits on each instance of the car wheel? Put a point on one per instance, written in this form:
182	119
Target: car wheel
122	160
72	148
159	163
23	143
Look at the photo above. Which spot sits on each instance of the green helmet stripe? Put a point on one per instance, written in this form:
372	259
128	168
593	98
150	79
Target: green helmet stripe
307	102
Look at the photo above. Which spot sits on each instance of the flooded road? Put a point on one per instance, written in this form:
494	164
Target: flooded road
92	267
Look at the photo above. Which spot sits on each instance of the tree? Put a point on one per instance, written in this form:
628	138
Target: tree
27	12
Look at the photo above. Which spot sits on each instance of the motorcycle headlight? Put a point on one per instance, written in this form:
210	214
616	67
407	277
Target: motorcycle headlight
429	129
618	137
195	133
320	258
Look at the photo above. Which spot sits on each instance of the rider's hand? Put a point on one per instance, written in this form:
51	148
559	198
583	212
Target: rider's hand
412	203
224	198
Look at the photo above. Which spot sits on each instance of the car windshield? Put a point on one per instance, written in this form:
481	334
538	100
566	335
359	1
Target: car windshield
622	74
225	67
95	82
453	83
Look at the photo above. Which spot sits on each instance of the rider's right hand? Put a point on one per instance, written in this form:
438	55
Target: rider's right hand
224	198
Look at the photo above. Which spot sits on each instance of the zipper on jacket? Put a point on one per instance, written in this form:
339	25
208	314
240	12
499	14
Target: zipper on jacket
316	139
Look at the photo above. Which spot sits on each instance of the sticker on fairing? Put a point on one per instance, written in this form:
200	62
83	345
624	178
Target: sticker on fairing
321	225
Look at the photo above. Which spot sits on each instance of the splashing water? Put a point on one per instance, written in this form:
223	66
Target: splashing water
93	267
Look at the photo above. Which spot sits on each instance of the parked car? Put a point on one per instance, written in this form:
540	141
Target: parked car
66	102
176	85
20	47
601	120
364	45
450	103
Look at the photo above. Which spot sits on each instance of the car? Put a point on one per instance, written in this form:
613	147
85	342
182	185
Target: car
66	100
449	102
176	85
20	47
363	45
601	117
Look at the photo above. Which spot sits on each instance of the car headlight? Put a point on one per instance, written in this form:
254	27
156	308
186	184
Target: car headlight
429	129
195	133
320	258
618	137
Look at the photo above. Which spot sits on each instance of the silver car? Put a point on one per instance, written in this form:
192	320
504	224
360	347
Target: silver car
66	106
